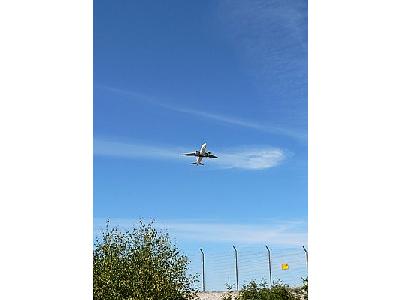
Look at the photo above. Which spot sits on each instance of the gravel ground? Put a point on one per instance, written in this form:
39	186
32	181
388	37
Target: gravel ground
211	295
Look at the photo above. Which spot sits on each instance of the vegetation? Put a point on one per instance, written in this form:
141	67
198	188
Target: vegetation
302	293
140	264
261	291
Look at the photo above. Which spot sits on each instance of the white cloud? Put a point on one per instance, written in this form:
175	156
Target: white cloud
252	159
282	234
285	233
104	147
247	158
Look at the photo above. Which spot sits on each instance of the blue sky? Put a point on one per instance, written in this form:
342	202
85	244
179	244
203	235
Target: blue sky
171	75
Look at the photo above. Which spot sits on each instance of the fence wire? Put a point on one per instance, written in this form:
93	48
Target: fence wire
220	267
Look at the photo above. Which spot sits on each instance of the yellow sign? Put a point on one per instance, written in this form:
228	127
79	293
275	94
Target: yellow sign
285	266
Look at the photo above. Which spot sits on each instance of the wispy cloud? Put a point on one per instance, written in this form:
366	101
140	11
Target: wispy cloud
267	32
247	158
286	233
104	147
270	38
256	158
221	118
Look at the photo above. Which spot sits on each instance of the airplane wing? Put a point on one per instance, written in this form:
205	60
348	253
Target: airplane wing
190	154
212	156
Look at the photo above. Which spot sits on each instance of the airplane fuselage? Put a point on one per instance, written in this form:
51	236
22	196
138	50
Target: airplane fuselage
202	152
199	159
199	154
203	149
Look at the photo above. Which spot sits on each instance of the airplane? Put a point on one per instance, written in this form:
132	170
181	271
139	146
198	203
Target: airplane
200	154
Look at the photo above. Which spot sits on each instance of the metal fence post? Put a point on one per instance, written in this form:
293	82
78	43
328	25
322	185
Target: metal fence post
202	262
237	269
306	252
269	264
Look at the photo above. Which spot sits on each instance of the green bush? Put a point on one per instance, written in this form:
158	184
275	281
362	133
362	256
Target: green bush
302	292
140	264
261	291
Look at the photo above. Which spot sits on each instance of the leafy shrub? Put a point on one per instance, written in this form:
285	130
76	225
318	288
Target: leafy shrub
302	292
140	264
261	291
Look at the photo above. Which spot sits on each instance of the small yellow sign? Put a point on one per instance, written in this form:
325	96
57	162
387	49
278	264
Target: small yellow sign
285	266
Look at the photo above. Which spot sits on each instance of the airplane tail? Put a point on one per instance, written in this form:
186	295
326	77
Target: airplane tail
196	163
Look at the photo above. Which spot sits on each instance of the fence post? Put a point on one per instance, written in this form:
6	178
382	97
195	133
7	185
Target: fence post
306	252
237	270
269	264
202	263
